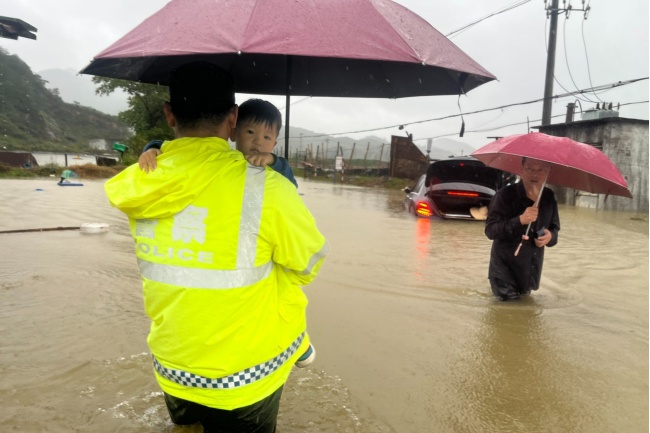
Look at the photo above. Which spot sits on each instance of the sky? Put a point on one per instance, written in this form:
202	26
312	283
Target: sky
610	46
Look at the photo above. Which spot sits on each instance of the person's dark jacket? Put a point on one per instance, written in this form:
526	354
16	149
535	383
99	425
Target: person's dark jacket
505	230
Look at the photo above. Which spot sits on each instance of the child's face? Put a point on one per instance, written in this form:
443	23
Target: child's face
255	137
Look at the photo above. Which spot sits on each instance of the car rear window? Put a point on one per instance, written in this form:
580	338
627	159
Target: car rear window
466	171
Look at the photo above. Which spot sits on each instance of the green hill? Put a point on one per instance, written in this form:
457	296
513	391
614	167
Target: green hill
33	117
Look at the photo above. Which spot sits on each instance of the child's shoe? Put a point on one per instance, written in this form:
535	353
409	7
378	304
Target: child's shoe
307	358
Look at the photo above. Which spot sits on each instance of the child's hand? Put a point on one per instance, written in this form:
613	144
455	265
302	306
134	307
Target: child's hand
147	160
260	159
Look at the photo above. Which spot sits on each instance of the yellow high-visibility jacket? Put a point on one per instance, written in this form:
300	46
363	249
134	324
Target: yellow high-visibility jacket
223	249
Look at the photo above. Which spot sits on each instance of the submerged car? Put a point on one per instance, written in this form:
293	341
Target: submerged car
455	188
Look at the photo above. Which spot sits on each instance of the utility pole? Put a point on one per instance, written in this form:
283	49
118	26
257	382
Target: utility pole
550	64
553	11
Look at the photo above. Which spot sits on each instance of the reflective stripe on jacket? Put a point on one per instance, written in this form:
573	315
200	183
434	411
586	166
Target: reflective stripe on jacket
223	249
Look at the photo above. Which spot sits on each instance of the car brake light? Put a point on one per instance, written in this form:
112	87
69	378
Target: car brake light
423	209
463	193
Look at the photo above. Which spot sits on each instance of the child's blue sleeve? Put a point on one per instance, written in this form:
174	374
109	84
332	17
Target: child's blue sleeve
153	144
281	165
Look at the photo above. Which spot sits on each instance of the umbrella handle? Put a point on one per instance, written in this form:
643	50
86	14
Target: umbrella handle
539	196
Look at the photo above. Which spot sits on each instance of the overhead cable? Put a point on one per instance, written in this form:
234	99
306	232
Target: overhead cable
512	124
564	95
584	44
506	9
554	76
566	58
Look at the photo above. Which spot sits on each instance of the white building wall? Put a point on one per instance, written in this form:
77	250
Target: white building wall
98	144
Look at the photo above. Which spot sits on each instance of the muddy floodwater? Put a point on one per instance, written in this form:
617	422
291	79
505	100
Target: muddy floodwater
409	339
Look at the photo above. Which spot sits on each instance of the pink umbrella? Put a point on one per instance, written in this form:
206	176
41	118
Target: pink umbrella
573	164
340	48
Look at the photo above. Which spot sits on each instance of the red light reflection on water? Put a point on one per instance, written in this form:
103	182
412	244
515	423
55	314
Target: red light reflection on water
423	243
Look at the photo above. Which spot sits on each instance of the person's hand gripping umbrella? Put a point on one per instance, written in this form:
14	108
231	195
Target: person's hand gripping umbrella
539	195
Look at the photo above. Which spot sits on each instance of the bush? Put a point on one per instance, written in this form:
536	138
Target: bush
46	170
92	171
87	171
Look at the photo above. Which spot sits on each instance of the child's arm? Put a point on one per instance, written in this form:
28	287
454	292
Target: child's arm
277	163
147	160
281	165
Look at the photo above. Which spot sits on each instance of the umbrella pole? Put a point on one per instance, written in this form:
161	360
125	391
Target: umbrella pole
539	196
287	110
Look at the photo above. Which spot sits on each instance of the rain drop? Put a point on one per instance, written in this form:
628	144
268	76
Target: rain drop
254	64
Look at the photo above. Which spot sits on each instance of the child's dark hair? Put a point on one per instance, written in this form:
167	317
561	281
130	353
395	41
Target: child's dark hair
260	111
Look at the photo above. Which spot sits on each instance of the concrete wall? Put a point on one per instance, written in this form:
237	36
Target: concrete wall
625	142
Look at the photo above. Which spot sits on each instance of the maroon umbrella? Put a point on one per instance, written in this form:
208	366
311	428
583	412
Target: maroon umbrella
573	164
339	48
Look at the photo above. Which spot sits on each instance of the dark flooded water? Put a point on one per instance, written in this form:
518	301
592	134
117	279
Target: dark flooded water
408	337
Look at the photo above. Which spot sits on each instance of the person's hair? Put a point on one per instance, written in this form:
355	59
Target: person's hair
201	92
260	111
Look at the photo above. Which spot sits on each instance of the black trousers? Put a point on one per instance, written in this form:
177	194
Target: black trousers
260	417
500	288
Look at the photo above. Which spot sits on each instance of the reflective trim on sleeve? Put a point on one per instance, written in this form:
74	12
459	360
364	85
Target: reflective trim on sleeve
244	377
251	217
315	259
203	278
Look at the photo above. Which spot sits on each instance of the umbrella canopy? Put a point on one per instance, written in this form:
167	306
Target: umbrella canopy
573	164
339	48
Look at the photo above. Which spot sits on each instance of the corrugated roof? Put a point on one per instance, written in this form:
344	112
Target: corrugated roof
13	28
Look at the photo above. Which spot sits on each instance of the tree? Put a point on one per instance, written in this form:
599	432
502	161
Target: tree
145	114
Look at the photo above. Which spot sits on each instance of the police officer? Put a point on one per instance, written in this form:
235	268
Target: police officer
223	248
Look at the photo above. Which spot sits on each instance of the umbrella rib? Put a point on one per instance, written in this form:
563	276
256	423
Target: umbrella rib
399	35
248	24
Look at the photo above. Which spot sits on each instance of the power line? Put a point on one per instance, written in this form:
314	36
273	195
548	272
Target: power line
566	56
500	11
554	76
296	102
512	124
602	87
584	43
552	12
